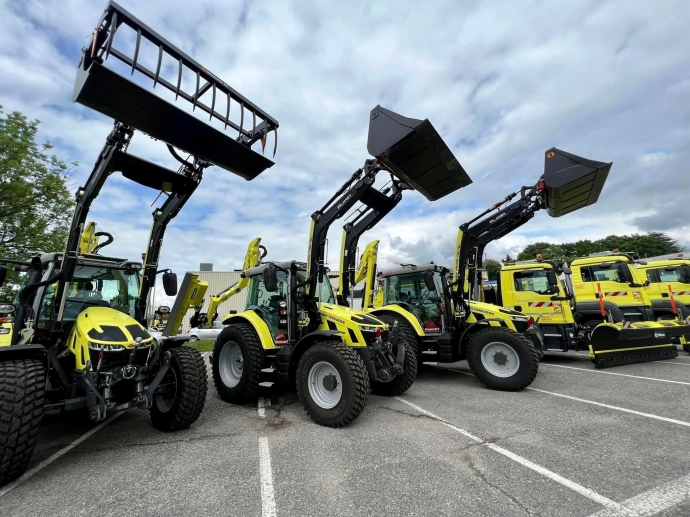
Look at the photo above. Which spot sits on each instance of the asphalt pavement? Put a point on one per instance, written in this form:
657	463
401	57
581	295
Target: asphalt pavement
578	442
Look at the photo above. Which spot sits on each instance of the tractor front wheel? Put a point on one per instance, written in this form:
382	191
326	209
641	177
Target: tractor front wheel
332	383
180	398
22	385
502	359
236	363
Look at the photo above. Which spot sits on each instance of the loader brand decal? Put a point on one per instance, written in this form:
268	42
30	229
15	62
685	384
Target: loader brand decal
501	216
344	200
329	317
636	294
659	334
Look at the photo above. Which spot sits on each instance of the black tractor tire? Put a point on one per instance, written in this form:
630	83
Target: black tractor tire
189	371
523	347
245	337
22	386
686	347
354	387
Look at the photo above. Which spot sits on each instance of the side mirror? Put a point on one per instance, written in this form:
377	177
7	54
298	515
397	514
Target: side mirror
626	274
271	279
3	274
429	280
170	283
566	270
685	274
163	309
552	278
553	289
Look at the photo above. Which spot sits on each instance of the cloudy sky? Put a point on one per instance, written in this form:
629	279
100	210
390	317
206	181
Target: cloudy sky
501	82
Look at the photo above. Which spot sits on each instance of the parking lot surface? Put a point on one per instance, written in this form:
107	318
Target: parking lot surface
578	442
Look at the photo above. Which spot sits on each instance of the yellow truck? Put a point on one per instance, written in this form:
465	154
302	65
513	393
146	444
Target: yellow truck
598	303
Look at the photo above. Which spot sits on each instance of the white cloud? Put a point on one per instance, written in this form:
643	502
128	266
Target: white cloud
501	84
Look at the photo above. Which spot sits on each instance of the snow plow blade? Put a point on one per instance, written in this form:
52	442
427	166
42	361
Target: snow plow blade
101	88
414	151
613	344
571	182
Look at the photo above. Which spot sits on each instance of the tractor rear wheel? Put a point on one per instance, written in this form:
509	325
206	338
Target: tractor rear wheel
22	385
332	383
185	386
401	383
236	363
502	359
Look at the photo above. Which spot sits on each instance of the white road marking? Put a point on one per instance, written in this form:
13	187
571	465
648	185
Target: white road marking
613	373
590	494
268	502
30	473
674	363
653	501
608	406
632	411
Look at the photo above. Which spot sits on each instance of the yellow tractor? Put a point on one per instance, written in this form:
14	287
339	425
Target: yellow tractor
294	333
79	336
501	345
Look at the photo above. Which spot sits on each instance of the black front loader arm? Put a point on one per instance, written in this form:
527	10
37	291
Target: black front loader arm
381	204
360	187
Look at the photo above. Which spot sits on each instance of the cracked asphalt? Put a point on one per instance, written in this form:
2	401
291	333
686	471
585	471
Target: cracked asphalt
435	452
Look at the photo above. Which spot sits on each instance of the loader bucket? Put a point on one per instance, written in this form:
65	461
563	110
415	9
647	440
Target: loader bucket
414	151
614	344
106	91
190	294
571	182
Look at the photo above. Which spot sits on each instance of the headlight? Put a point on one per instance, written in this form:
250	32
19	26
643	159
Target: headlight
106	348
369	329
517	318
6	308
4	331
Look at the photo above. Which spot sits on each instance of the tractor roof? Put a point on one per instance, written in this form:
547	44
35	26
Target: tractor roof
407	269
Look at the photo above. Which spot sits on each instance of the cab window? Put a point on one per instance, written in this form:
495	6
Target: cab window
598	274
537	283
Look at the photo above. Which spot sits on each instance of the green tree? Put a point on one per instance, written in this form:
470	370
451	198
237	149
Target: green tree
508	259
492	268
35	203
647	245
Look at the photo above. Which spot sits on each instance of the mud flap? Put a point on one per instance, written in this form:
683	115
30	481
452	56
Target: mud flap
613	345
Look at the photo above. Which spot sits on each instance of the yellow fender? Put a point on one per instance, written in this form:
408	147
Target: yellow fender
255	321
411	319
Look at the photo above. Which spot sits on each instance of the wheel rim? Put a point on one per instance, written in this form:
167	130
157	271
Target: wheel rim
500	359
194	338
325	385
165	401
231	364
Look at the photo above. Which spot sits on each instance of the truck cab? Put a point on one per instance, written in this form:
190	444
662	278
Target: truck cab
535	290
668	278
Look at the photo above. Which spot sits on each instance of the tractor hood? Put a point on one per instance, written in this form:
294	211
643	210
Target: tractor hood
106	326
334	312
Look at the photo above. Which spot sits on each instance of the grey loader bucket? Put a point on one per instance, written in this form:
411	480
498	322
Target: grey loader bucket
414	151
106	91
571	182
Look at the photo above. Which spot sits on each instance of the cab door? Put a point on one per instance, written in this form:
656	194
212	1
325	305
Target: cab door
532	296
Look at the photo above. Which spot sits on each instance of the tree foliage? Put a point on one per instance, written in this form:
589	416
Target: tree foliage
35	203
647	245
493	267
